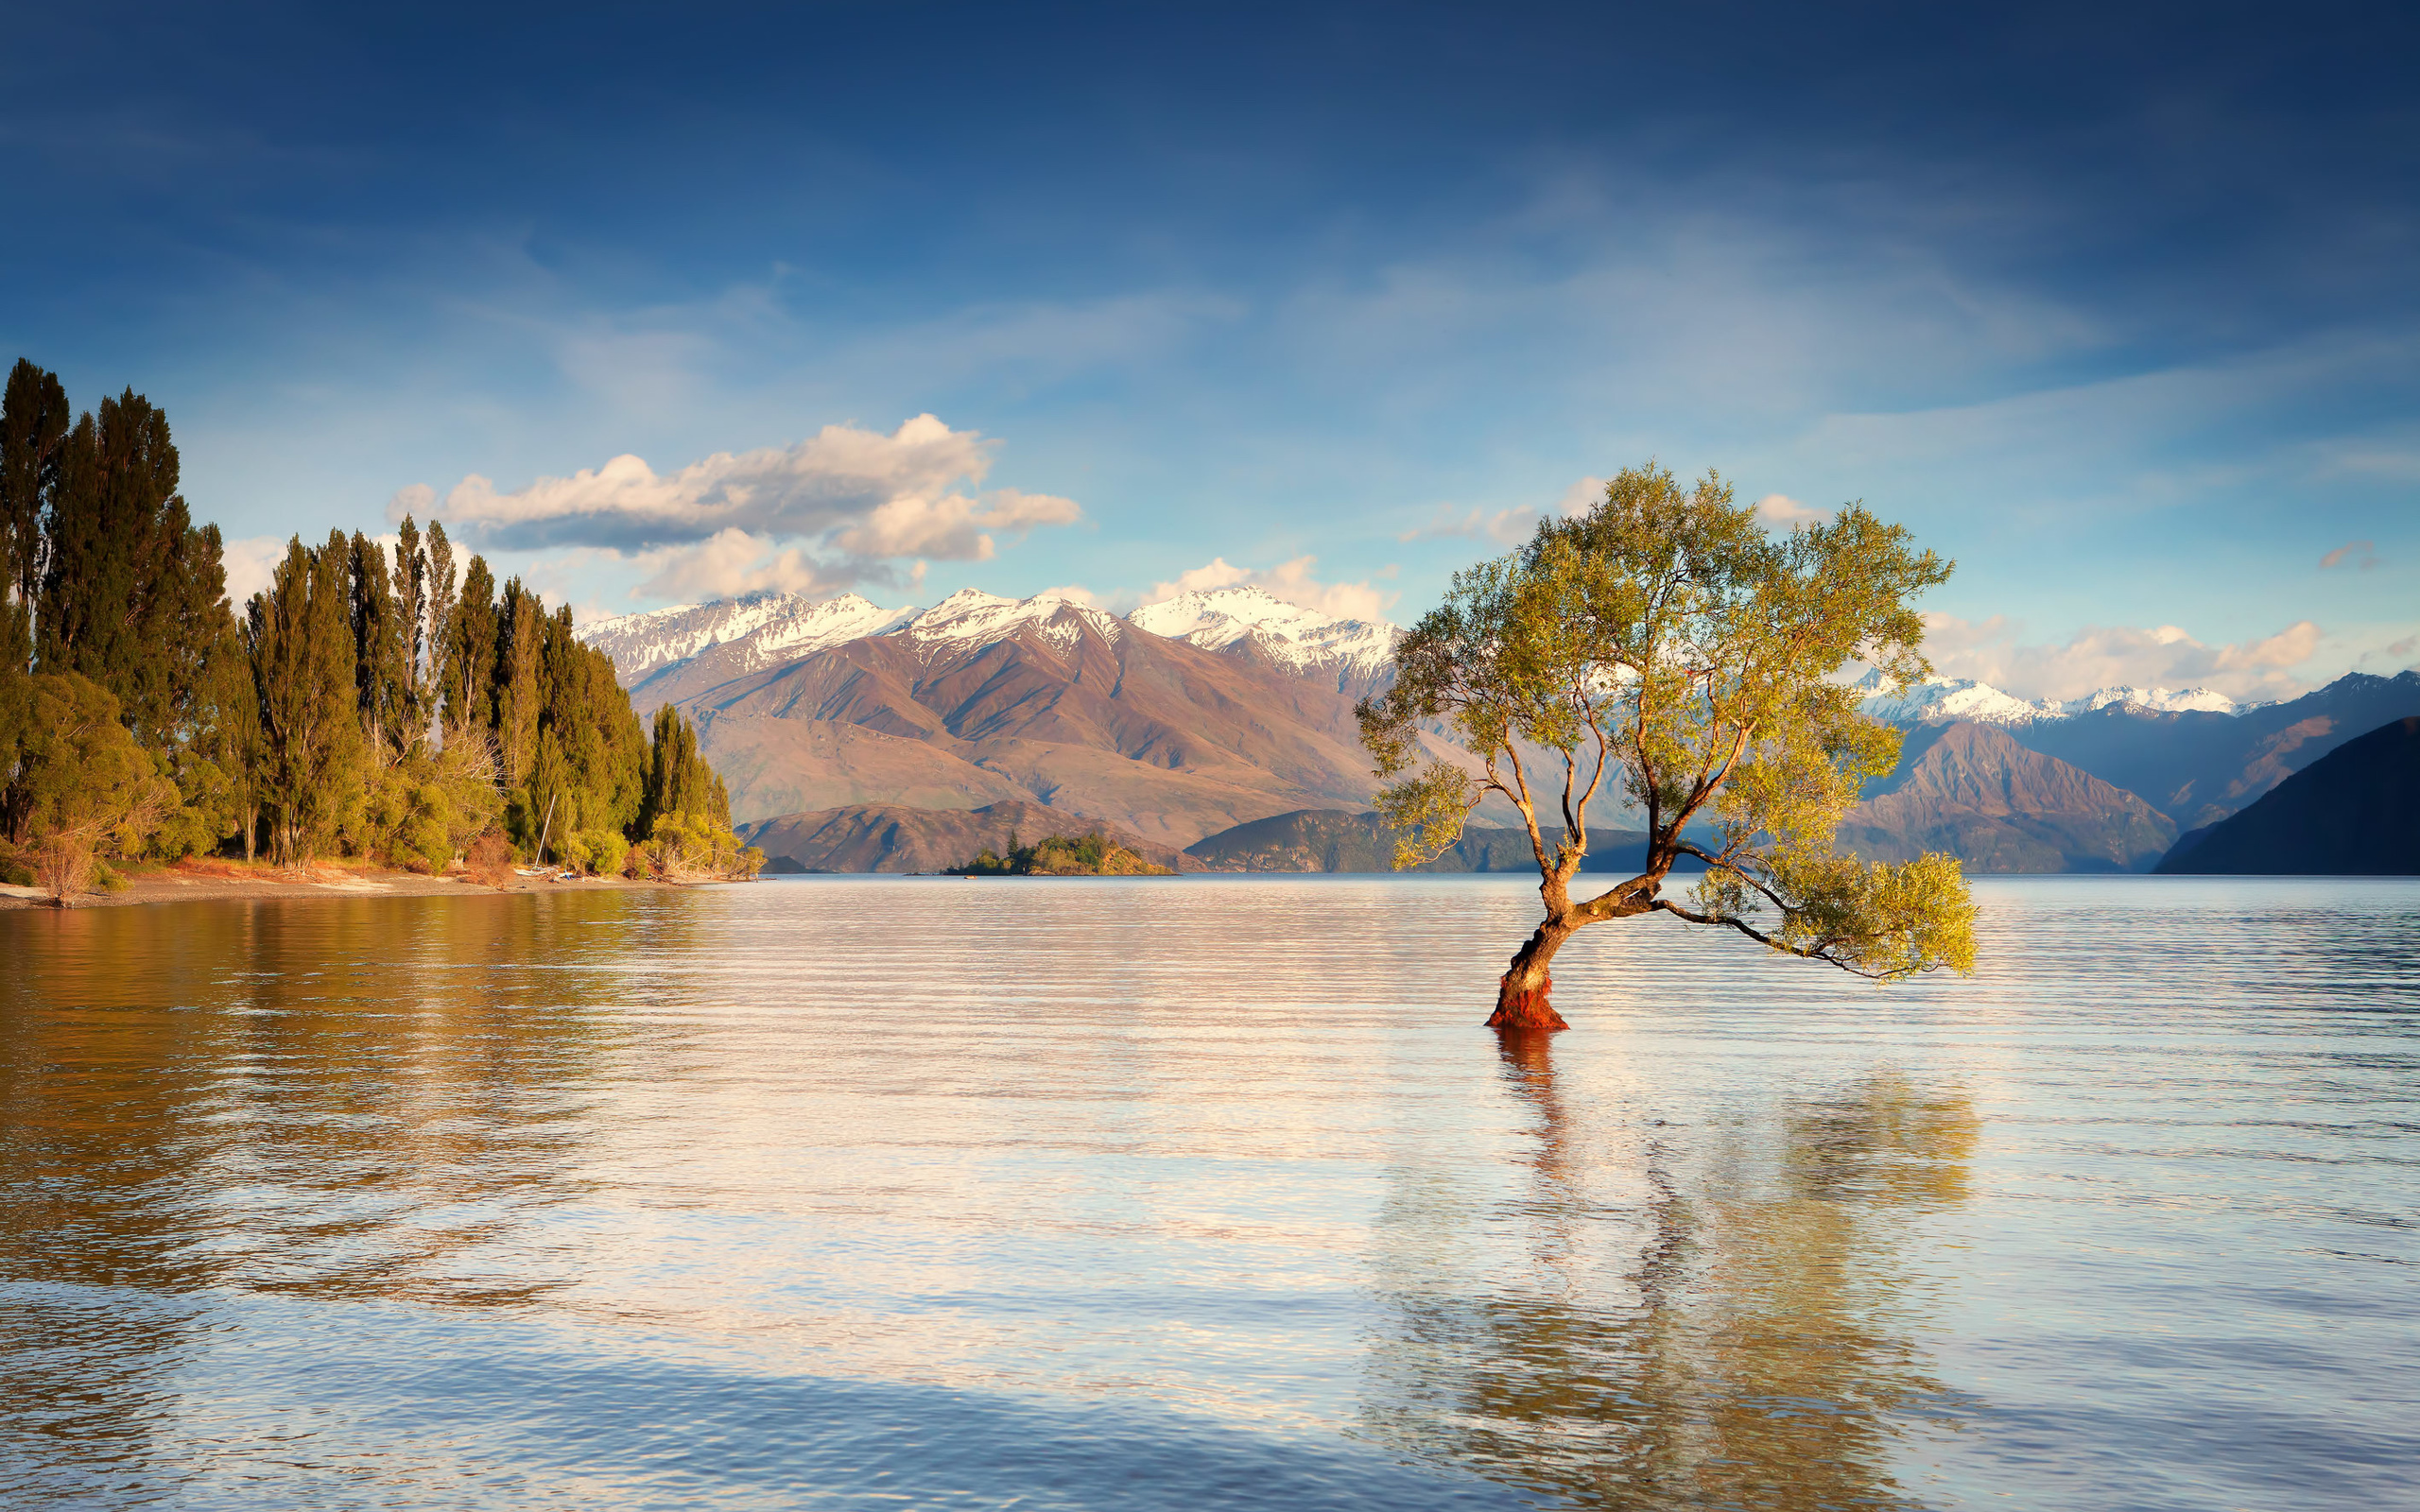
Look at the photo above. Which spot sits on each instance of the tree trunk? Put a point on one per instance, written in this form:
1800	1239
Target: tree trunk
1521	996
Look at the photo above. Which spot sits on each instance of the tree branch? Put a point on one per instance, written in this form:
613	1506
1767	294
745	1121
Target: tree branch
1817	952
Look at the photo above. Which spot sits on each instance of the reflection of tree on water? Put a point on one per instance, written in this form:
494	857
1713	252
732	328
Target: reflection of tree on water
335	1099
1735	1331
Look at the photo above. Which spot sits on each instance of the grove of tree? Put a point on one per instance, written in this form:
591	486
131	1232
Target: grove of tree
365	704
1663	649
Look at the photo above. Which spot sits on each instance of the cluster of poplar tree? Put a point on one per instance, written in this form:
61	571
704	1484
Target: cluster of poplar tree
365	704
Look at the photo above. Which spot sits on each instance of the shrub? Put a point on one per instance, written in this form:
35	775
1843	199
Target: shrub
599	851
489	861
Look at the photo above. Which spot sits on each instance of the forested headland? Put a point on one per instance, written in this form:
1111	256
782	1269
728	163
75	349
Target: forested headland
371	703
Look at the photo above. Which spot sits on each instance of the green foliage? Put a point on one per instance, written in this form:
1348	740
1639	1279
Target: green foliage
365	703
1059	855
83	792
602	852
688	848
1664	646
315	753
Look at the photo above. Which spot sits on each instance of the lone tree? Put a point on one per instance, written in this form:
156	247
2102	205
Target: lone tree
1665	645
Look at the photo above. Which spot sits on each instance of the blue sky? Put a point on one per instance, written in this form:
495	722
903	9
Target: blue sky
2114	306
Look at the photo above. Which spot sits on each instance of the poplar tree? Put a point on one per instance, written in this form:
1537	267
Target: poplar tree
411	583
300	635
439	623
469	684
34	418
380	674
518	641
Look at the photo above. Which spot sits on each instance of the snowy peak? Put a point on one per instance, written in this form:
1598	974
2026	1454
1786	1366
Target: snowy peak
970	619
757	630
1942	703
2160	700
1304	641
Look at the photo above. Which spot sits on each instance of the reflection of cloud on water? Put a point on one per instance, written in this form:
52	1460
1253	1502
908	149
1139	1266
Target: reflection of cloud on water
1730	1324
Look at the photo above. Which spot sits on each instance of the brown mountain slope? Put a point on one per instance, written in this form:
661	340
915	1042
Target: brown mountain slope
1973	791
886	838
1064	706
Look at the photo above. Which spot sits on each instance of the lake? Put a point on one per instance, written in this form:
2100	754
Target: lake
858	1192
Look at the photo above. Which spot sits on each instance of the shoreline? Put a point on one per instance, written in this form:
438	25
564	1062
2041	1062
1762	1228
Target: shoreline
191	881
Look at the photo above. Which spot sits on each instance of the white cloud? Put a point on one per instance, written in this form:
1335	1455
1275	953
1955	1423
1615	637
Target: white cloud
2118	656
1581	497
890	495
952	526
837	508
1781	509
734	561
249	563
2362	553
1289	580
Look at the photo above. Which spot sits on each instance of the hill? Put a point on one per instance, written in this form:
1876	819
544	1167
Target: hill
1342	840
1971	790
892	838
2354	812
2191	754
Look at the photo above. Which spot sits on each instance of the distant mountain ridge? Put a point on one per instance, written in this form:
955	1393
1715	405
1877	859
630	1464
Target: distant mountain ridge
1973	791
1340	840
1953	699
888	837
1224	707
2354	812
2181	752
730	638
755	630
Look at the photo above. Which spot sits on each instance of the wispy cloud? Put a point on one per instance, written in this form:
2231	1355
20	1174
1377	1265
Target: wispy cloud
1506	527
2118	656
2360	553
1293	581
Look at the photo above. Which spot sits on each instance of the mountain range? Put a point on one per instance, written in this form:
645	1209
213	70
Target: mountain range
1973	791
1245	711
2354	812
1188	717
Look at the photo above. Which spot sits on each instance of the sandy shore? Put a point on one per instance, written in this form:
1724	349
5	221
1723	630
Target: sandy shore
187	881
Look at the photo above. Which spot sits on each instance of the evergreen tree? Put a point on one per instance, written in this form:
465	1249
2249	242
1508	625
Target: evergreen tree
412	612
300	635
439	622
131	594
519	633
469	684
34	418
382	675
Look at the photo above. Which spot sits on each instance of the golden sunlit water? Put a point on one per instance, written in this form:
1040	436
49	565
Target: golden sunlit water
1204	1193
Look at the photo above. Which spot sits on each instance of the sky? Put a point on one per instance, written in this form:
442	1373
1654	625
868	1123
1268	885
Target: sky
2114	306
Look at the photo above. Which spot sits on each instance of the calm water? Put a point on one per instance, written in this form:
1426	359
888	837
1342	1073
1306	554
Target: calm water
898	1193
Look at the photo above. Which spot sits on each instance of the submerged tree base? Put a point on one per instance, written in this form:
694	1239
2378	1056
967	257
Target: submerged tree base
1519	1008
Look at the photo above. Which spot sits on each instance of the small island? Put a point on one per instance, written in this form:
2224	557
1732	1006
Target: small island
1061	856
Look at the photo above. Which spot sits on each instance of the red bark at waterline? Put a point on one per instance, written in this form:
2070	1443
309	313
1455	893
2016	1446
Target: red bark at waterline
1520	1007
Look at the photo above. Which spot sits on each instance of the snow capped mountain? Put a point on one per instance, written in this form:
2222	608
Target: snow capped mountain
1303	641
1940	703
2162	700
732	638
761	630
970	618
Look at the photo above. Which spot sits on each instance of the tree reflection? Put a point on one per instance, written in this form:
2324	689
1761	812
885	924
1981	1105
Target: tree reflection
1737	1330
